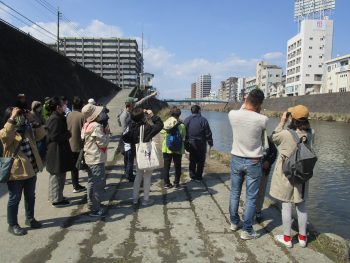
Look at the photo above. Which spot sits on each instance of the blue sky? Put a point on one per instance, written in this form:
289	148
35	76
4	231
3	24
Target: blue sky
185	38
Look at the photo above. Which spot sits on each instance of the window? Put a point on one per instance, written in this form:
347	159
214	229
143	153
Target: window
309	66
321	57
329	68
311	38
307	75
310	56
277	75
344	63
330	91
310	47
342	90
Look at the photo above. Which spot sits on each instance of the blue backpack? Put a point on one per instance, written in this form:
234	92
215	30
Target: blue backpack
174	139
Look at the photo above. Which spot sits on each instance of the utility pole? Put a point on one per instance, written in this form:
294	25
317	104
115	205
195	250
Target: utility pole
58	28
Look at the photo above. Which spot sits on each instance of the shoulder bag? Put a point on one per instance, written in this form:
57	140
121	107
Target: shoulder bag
147	154
6	165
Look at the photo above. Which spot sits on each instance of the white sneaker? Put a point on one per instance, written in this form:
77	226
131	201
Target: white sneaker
302	243
235	227
280	238
147	202
252	235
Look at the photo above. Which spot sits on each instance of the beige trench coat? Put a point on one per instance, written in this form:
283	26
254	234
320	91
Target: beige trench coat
281	188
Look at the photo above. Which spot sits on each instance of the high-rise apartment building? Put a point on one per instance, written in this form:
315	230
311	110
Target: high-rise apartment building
337	78
307	53
240	88
203	86
193	90
115	59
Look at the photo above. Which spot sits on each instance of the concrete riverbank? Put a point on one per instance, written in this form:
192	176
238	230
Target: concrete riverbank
186	225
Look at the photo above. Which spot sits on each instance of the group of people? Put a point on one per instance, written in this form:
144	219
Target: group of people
253	153
53	134
62	135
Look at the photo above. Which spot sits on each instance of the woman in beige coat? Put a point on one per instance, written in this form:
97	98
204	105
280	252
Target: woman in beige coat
17	133
281	188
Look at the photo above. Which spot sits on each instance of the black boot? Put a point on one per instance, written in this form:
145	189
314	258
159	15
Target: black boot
17	230
33	223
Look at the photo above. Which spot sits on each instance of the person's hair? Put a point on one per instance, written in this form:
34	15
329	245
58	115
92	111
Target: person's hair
77	103
53	103
137	114
175	112
195	109
256	97
37	106
301	124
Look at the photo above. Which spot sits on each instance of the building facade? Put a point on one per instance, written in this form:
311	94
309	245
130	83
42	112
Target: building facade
337	78
271	75
250	84
307	53
203	86
193	90
115	59
240	88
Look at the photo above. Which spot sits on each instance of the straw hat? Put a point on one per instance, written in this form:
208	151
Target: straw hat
91	112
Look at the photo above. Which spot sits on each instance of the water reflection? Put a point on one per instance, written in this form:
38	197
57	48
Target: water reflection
329	197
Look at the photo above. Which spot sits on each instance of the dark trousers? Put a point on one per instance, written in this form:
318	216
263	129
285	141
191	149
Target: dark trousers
75	171
129	157
15	189
197	160
168	157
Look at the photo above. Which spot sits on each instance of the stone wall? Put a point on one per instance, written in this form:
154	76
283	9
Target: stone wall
29	66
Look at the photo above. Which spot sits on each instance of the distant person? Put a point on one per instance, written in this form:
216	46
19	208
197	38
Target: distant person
174	133
45	109
22	102
140	117
66	109
248	128
39	127
92	101
268	159
198	135
17	133
75	121
59	158
281	188
96	139
125	120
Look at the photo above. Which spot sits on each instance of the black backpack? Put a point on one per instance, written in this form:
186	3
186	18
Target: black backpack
299	166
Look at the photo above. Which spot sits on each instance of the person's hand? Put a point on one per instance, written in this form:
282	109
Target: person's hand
154	93
15	112
209	151
149	112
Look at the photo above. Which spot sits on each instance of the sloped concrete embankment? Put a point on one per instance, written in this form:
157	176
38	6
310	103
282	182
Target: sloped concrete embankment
31	67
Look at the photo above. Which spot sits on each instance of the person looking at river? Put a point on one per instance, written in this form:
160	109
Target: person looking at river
248	128
281	188
198	134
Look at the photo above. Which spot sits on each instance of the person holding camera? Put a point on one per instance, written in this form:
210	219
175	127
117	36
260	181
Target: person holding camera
281	188
140	117
59	159
17	134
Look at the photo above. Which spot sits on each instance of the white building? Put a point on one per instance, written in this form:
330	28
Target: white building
338	75
115	59
240	88
203	86
270	75
250	84
307	53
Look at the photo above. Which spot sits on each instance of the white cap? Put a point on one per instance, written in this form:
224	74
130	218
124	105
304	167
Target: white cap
92	101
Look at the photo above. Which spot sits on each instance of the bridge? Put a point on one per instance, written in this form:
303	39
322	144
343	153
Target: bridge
189	100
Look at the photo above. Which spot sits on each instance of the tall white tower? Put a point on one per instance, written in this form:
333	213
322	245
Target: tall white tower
203	86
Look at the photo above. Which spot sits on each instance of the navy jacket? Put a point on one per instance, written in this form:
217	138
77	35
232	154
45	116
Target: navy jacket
198	131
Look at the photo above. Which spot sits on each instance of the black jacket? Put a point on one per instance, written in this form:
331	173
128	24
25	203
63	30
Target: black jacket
132	136
59	154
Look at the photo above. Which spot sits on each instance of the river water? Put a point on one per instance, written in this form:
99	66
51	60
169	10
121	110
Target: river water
329	194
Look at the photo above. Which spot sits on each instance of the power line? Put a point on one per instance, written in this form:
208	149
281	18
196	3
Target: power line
27	18
26	23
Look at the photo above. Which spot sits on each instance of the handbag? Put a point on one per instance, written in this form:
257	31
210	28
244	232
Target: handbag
6	165
147	154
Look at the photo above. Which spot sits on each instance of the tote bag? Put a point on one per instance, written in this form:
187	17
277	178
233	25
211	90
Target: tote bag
147	154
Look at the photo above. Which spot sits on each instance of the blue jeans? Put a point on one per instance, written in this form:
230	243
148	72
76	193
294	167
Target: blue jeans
95	185
15	189
251	170
129	157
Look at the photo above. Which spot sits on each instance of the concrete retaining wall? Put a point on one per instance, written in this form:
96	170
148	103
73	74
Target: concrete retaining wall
29	66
